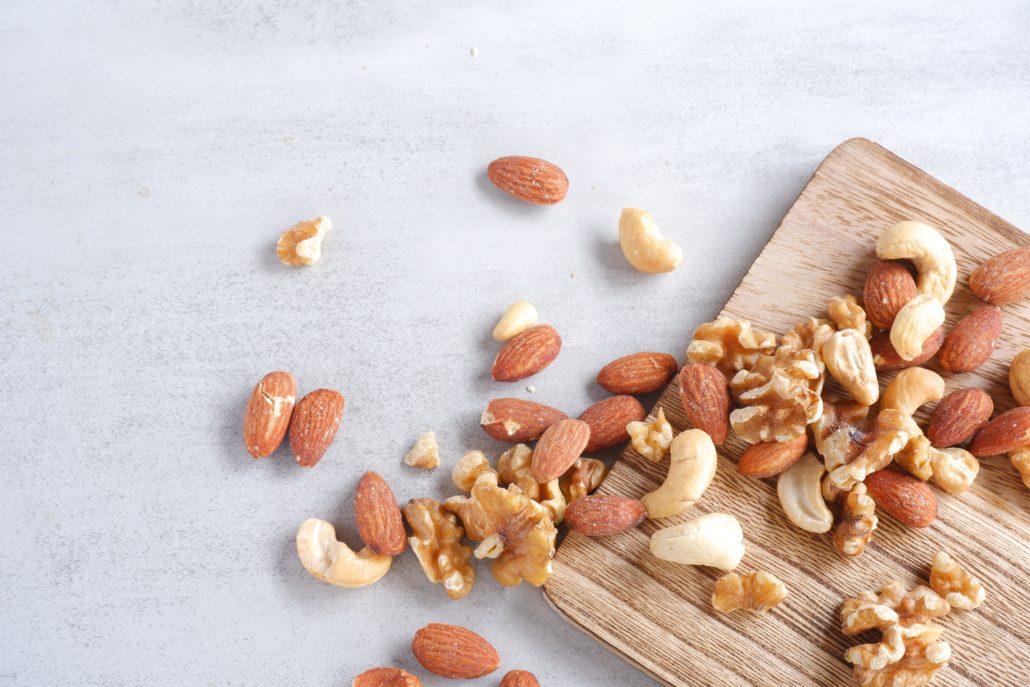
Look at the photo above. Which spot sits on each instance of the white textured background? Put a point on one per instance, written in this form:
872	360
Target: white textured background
150	153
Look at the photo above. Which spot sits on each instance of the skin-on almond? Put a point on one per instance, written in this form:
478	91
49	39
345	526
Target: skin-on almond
972	341
1002	279
602	515
526	354
888	286
1007	432
268	413
378	516
386	677
608	419
314	424
886	358
559	447
518	421
519	678
771	458
958	416
705	394
529	178
908	499
638	373
453	652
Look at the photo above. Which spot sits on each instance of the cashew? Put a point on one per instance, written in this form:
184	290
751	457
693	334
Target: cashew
928	250
520	316
1020	459
850	360
333	561
915	323
643	245
715	540
691	470
911	389
954	469
800	492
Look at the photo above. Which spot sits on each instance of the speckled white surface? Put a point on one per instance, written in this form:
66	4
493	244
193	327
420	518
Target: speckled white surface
152	152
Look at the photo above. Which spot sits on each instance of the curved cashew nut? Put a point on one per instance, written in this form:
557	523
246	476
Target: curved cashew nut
850	360
801	495
954	469
643	245
691	470
911	389
928	250
333	561
714	540
915	323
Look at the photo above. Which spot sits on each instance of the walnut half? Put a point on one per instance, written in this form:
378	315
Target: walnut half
756	591
957	586
651	439
729	344
436	540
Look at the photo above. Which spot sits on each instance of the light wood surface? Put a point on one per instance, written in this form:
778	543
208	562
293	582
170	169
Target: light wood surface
658	614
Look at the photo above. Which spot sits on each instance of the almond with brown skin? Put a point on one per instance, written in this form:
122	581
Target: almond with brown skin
605	514
638	373
313	427
268	413
386	677
518	421
771	458
608	419
971	342
888	286
559	447
1002	279
1007	432
378	516
886	358
519	678
705	394
526	354
529	178
909	500
453	652
958	416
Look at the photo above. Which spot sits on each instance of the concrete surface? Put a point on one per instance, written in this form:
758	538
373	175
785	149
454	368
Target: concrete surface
152	153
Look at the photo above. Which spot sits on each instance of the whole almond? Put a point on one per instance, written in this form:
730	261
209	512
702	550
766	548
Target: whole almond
378	516
386	677
608	419
519	678
559	447
771	458
517	420
1007	432
909	500
705	394
958	416
888	286
886	358
1002	279
529	178
268	413
313	427
526	354
638	373
971	342
601	515
454	652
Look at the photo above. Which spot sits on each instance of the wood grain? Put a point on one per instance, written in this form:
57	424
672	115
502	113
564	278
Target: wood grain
659	616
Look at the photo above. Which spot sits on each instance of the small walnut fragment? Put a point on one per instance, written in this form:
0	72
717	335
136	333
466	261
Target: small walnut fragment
756	591
840	431
515	467
811	335
955	584
436	540
778	397
301	244
915	458
879	446
467	470
846	313
924	654
731	345
856	520
424	453
585	475
651	439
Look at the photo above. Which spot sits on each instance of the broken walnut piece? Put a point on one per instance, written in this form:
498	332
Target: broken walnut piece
1020	459
778	397
906	608
585	475
924	653
809	335
651	438
856	520
756	591
514	467
424	453
468	469
436	541
954	583
731	345
885	439
839	432
301	244
846	313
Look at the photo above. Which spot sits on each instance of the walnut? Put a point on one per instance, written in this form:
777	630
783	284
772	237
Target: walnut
651	439
1020	460
436	540
915	458
954	583
879	446
757	591
809	335
878	655
510	527
514	467
467	470
424	454
924	654
846	313
839	432
585	475
778	396
301	244
856	520
729	344
892	605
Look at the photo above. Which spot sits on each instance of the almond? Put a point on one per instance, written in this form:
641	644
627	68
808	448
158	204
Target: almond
886	359
1007	432
888	286
378	516
638	373
454	652
526	354
529	178
909	500
519	678
559	447
1002	279
971	342
771	458
268	413
958	416
601	515
386	677
608	419
314	424
705	394
517	420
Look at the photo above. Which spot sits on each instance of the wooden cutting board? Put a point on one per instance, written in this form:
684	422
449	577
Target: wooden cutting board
658	615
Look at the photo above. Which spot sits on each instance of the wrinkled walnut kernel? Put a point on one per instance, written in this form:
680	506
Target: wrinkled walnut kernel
879	446
651	439
924	654
585	475
729	344
846	313
955	584
856	521
436	540
424	454
778	396
467	470
301	244
515	467
756	591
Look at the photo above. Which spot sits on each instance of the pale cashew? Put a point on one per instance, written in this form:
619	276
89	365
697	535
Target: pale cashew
520	316
850	360
911	389
954	469
691	470
333	561
643	245
714	540
915	323
800	492
928	250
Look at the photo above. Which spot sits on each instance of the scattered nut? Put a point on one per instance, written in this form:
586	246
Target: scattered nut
958	587
849	360
954	469
314	424
515	467
888	286
768	459
846	313
468	470
902	660
1020	459
1005	278
520	316
607	420
691	470
301	244
779	396
519	678
856	521
756	591
526	354
386	677
643	244
638	373
886	359
268	413
378	516
604	515
841	432
910	390
878	447
731	345
909	500
436	541
651	439
916	324
1019	377
517	420
529	178
1006	433
453	652
705	396
915	458
801	495
928	250
333	561
424	453
559	447
959	416
585	475
715	540
971	342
